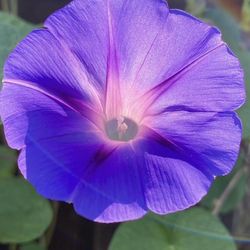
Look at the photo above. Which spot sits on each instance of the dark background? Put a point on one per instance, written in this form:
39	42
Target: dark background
36	11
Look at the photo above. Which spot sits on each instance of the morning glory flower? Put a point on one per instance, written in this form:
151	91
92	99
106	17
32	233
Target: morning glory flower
122	107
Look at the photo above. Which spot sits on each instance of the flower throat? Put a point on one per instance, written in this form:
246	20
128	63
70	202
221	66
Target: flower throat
121	129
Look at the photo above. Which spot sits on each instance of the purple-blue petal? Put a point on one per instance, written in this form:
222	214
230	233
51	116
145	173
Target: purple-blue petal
183	155
173	184
64	157
56	141
40	61
27	112
113	191
81	27
190	68
211	139
138	24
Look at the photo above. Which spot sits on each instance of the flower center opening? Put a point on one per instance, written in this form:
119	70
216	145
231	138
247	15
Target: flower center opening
121	129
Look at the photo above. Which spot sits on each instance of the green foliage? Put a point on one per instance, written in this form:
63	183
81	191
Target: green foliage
24	215
12	30
192	229
219	187
232	34
7	162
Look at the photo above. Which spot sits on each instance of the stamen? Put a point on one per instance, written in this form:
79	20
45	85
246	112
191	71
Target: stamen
121	129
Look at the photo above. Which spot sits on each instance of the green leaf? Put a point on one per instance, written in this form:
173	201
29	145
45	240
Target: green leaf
193	229
32	246
232	34
24	215
7	161
12	30
219	187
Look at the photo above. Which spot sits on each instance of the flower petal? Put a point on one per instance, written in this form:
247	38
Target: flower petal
81	27
173	184
112	191
212	140
113	40
123	49
52	138
171	181
24	111
190	68
183	153
137	24
40	61
103	185
65	58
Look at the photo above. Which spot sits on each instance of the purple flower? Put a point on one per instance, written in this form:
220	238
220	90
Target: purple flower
123	107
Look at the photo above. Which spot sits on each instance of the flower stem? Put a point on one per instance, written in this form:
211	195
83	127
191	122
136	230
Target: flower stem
10	6
232	184
5	5
51	230
13	247
14	7
222	199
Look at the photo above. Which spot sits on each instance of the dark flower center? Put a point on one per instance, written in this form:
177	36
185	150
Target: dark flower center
121	129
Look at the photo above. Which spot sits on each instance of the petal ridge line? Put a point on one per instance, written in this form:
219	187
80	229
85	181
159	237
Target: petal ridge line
166	142
30	85
113	100
83	80
153	94
150	48
64	168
